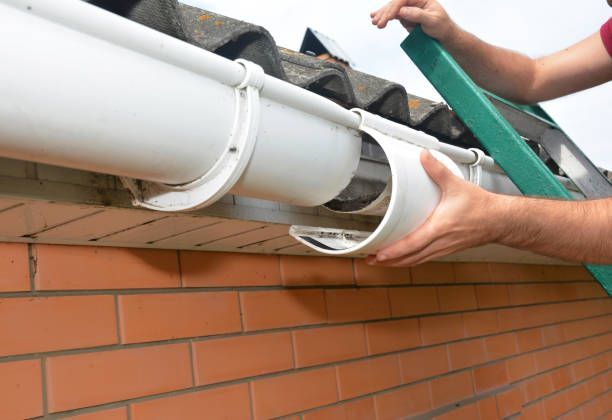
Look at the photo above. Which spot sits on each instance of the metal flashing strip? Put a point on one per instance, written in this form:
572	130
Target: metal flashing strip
490	127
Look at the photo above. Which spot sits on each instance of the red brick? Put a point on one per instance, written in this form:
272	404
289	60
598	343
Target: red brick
580	329
87	379
230	402
552	335
223	269
491	296
215	360
424	363
466	353
456	298
509	402
358	409
487	408
520	367
37	324
583	370
387	336
502	272
14	268
21	389
441	329
451	388
433	272
366	376
282	308
120	413
556	405
409	301
469	411
588	291
548	359
404	402
566	273
511	319
281	395
490	376
62	267
366	274
524	294
533	412
471	272
592	410
480	323
561	378
159	316
304	271
597	385
500	346
538	387
529	340
578	395
600	363
345	305
330	344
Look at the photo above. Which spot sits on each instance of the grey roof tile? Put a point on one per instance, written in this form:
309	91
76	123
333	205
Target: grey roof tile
233	38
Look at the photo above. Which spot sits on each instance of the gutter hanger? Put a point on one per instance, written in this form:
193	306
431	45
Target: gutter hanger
86	89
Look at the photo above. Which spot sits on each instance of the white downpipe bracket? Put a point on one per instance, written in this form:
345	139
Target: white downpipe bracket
413	196
228	169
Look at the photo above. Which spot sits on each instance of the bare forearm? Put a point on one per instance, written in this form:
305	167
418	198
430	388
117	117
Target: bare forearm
507	73
504	72
572	230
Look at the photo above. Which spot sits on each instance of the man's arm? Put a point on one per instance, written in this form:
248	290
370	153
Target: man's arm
507	73
469	216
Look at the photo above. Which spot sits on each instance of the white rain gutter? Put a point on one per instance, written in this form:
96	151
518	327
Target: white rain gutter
83	88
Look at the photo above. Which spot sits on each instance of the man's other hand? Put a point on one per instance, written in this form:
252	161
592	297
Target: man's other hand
466	216
428	13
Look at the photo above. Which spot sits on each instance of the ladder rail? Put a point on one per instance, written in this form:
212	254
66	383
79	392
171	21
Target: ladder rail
489	126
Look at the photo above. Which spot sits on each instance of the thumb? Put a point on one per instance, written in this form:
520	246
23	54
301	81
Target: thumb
436	170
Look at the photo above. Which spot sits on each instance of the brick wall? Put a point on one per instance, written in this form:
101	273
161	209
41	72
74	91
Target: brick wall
104	333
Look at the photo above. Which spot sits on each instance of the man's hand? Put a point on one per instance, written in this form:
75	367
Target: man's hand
468	216
465	217
428	13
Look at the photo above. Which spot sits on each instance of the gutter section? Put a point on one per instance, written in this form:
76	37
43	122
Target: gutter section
86	89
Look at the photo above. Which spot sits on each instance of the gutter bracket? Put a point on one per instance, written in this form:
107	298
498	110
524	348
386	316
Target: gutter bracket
475	168
398	131
228	169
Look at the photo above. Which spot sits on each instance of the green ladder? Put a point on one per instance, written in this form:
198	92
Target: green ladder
500	127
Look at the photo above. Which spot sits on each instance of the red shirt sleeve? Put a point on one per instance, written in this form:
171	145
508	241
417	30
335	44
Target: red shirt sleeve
606	35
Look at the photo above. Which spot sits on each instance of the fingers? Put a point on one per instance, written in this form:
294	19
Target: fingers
390	12
377	15
434	250
410	244
436	170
